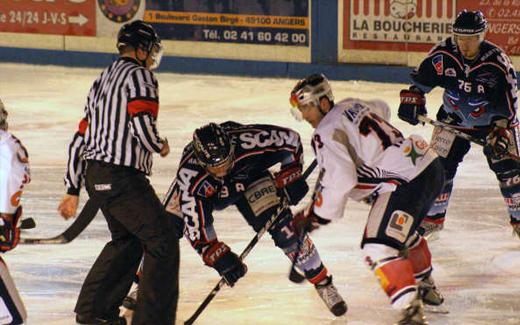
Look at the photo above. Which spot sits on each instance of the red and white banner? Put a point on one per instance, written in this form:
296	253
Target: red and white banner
416	25
62	17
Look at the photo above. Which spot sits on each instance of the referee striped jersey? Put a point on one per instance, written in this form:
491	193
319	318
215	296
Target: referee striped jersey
119	125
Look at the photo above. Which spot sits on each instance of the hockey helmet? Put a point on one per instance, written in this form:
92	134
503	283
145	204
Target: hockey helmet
213	147
310	90
470	23
3	117
139	34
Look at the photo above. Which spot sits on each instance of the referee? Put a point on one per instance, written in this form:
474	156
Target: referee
113	148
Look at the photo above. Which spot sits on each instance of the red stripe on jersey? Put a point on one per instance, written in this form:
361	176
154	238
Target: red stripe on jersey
141	105
82	127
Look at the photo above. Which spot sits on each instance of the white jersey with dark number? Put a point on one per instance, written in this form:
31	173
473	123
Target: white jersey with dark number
14	171
361	155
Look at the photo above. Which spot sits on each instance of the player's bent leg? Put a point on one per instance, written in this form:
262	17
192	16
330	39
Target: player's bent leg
12	309
434	220
419	255
309	262
507	172
395	273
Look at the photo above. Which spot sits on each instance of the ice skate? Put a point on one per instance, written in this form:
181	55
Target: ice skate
430	230
429	293
130	301
413	314
331	297
516	229
296	276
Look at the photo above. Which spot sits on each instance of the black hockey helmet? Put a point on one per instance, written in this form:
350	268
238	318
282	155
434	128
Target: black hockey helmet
310	90
470	23
138	34
212	146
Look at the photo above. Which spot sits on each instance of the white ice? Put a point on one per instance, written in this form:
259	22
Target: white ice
476	259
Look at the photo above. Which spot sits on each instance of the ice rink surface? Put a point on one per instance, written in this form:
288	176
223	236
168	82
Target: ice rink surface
476	259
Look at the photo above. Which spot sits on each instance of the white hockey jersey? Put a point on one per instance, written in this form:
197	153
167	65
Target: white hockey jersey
361	155
14	171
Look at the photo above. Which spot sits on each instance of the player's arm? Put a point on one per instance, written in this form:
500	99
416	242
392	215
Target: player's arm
424	78
504	127
289	153
201	234
337	178
76	166
143	108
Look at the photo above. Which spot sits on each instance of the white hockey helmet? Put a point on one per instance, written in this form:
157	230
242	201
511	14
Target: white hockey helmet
3	117
310	90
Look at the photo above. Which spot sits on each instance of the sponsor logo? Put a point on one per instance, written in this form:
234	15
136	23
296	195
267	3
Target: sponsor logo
450	72
264	139
187	202
15	198
102	187
438	64
411	21
119	11
399	225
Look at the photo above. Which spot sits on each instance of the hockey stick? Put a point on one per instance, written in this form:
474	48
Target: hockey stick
460	134
247	250
86	215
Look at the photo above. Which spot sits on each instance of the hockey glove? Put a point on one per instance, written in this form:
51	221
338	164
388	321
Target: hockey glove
498	140
289	179
412	105
307	221
9	231
220	257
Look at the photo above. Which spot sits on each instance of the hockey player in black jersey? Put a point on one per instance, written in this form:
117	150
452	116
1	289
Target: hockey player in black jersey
228	164
480	99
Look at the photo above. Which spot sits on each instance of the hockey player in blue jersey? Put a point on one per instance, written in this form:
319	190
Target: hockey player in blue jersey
480	99
227	164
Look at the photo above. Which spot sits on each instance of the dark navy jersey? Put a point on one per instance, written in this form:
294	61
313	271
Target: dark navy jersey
476	92
256	149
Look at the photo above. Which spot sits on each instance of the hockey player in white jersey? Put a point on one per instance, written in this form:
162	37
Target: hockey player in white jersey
363	157
14	174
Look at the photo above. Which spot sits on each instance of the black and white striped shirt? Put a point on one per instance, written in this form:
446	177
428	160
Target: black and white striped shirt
119	125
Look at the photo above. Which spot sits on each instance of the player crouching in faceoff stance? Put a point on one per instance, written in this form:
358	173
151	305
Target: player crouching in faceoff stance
14	174
363	157
227	164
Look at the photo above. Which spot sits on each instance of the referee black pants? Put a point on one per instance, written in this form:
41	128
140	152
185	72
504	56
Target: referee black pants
139	225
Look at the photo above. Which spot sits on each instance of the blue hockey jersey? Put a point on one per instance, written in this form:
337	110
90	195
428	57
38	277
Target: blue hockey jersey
476	92
196	193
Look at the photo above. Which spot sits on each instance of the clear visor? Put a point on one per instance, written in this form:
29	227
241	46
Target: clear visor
222	169
156	55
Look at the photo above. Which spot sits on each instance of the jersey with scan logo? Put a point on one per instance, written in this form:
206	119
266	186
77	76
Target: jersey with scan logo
197	193
361	155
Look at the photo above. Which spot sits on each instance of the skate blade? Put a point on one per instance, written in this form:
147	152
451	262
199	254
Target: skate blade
436	309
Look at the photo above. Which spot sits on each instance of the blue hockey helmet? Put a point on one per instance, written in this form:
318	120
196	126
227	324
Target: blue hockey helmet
212	146
470	23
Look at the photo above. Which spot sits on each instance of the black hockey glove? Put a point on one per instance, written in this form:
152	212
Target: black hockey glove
220	257
9	231
289	179
307	221
412	104
498	140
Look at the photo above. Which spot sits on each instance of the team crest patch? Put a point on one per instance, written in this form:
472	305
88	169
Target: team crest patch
206	189
438	64
399	225
119	11
450	72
